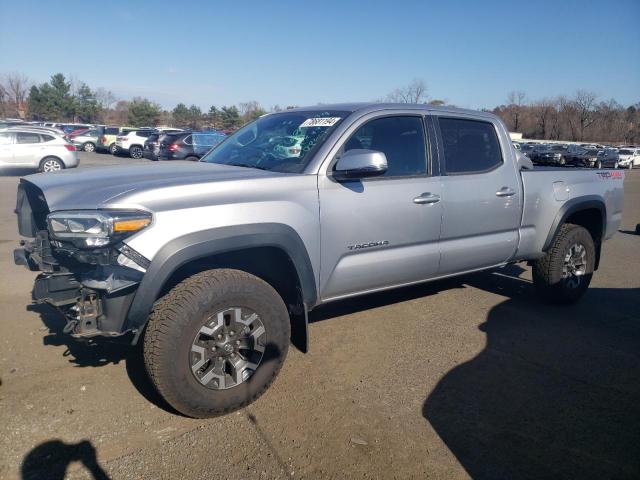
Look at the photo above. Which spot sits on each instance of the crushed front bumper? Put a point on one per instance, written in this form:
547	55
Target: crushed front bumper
94	299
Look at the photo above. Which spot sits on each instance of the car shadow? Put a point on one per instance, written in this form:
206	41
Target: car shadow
50	460
554	394
16	172
631	232
99	352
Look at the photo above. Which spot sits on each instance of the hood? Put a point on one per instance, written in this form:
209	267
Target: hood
101	187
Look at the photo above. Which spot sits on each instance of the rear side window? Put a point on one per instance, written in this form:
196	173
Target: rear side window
23	137
401	139
47	138
187	140
470	146
143	133
111	131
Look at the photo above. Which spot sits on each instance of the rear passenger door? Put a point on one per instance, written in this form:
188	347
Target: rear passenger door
482	197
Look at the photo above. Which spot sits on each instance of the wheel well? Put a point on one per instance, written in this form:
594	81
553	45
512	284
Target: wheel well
271	264
591	219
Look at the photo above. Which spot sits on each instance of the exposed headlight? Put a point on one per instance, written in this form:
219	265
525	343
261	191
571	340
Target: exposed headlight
96	228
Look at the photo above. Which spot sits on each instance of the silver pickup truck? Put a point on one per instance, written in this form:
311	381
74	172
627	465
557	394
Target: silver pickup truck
213	265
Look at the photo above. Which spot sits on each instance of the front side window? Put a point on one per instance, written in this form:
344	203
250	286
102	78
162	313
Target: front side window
23	137
281	142
402	141
470	146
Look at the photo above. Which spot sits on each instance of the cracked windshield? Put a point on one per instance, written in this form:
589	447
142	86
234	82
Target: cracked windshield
282	142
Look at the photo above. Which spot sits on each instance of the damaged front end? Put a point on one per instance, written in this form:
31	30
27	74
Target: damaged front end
87	272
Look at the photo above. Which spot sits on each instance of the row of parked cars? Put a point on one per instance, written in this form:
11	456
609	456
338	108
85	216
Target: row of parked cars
581	155
53	146
151	143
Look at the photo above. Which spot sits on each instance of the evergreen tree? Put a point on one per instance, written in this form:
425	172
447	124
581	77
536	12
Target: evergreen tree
143	112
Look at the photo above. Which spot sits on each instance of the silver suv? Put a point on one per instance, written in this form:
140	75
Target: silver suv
215	264
38	149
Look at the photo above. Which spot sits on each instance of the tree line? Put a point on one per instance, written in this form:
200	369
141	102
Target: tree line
580	117
64	99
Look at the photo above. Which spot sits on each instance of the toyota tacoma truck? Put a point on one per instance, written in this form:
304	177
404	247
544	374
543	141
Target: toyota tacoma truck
214	265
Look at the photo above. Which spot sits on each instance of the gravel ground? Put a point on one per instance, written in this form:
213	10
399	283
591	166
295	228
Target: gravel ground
470	377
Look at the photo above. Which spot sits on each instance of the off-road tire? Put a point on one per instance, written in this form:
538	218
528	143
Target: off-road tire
547	271
177	317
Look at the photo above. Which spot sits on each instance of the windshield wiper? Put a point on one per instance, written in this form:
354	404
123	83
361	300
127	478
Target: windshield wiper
246	165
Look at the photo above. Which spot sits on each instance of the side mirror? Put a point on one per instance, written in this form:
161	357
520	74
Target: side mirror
360	163
524	162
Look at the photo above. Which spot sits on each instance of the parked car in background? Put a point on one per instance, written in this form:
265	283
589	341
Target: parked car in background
579	156
5	123
32	148
86	141
629	157
107	137
152	146
549	155
527	148
188	145
132	143
608	158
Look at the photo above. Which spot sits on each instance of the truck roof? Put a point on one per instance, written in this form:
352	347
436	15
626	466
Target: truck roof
365	107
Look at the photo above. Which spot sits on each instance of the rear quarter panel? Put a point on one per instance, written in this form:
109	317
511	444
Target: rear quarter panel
547	190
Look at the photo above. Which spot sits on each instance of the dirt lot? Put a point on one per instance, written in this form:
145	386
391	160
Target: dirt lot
465	378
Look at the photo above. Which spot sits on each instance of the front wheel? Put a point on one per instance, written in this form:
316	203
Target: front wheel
216	342
89	147
615	165
192	158
563	275
599	164
113	149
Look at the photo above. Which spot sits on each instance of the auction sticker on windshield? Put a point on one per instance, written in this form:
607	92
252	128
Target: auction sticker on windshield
320	122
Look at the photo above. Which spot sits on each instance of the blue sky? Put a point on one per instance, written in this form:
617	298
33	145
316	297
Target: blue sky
471	53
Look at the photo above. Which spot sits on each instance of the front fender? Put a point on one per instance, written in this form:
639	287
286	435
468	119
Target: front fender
193	246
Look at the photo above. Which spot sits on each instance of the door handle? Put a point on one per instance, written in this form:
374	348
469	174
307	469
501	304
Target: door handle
505	192
426	197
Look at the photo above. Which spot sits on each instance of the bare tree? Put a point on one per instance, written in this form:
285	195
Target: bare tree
515	102
543	112
14	93
585	102
415	92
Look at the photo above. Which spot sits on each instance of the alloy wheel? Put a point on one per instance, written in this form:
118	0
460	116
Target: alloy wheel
228	348
575	265
136	152
51	166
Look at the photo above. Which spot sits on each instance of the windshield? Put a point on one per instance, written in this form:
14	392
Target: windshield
625	152
282	142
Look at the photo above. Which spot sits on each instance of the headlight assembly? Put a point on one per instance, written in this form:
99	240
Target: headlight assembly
96	228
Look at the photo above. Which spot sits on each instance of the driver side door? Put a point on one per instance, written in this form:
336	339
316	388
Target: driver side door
381	232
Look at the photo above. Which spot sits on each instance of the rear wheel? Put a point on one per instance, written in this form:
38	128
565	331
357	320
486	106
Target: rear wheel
599	164
216	342
51	164
192	159
136	152
615	165
89	147
113	149
563	275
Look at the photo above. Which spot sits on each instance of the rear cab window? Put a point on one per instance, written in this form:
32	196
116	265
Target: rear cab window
469	146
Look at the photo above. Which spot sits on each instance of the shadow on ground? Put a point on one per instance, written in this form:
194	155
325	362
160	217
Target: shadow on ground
554	394
100	352
50	460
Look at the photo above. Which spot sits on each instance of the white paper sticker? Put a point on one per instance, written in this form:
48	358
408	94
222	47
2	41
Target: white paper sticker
320	122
